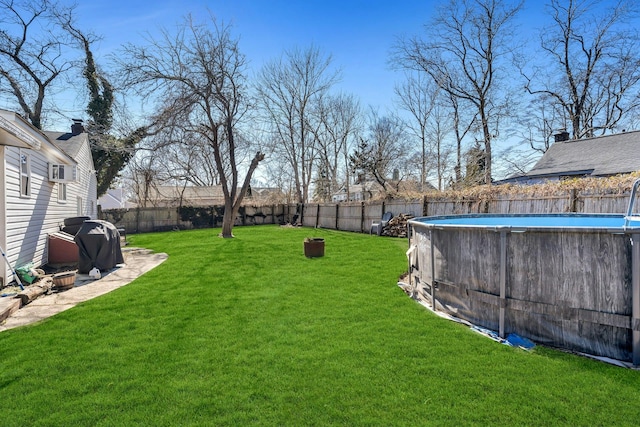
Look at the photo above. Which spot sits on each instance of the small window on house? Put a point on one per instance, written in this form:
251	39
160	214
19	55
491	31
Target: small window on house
25	174
62	192
58	172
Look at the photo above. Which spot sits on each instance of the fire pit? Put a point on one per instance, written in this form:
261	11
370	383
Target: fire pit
313	247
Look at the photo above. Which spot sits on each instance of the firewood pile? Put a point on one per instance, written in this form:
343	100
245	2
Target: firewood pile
397	226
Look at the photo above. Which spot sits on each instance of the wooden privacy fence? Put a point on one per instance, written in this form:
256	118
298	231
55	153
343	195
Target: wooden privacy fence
358	216
144	220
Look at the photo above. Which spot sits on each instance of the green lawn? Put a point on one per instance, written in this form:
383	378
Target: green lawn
248	331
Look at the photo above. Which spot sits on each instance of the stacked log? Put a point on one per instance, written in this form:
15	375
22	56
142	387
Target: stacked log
35	290
397	226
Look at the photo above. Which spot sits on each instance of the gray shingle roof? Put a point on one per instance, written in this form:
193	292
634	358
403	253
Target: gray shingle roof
70	143
599	156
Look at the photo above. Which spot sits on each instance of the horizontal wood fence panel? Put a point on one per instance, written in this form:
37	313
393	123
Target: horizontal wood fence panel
310	215
397	207
606	203
327	216
553	204
350	217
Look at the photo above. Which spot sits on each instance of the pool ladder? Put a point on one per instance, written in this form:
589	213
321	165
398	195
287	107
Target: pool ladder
629	216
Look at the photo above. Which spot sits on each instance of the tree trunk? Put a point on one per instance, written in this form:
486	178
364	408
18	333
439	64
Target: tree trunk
227	221
487	145
232	206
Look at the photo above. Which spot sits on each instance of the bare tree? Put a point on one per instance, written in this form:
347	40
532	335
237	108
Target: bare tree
542	120
339	119
440	127
278	175
462	52
288	88
35	51
383	152
463	123
198	76
187	157
40	45
110	154
592	66
142	176
418	95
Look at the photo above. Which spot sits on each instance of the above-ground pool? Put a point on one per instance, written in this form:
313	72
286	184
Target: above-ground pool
565	280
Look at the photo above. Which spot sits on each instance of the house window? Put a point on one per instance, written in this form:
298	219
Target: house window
62	192
58	172
25	174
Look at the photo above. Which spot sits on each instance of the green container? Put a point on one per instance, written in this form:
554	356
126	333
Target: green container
27	273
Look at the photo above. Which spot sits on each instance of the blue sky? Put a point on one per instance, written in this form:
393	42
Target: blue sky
358	34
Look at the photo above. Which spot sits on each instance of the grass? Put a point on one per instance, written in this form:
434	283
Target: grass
248	331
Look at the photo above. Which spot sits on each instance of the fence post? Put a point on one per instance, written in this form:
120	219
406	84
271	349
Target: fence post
317	215
425	206
362	217
337	215
573	200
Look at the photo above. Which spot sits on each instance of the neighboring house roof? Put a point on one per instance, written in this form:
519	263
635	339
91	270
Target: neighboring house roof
599	156
115	198
171	195
191	195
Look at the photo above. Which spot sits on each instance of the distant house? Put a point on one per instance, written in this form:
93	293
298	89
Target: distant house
592	157
115	198
46	177
357	192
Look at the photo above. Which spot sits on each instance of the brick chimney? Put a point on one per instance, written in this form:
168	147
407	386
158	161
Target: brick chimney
77	128
561	136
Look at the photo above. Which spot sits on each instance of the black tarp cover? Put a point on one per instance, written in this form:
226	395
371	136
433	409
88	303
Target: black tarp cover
98	246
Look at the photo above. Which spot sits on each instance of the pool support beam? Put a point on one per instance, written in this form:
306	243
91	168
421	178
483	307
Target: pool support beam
503	280
433	271
635	297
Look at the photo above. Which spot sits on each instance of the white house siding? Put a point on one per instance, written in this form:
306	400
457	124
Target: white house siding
29	220
86	187
25	217
3	239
